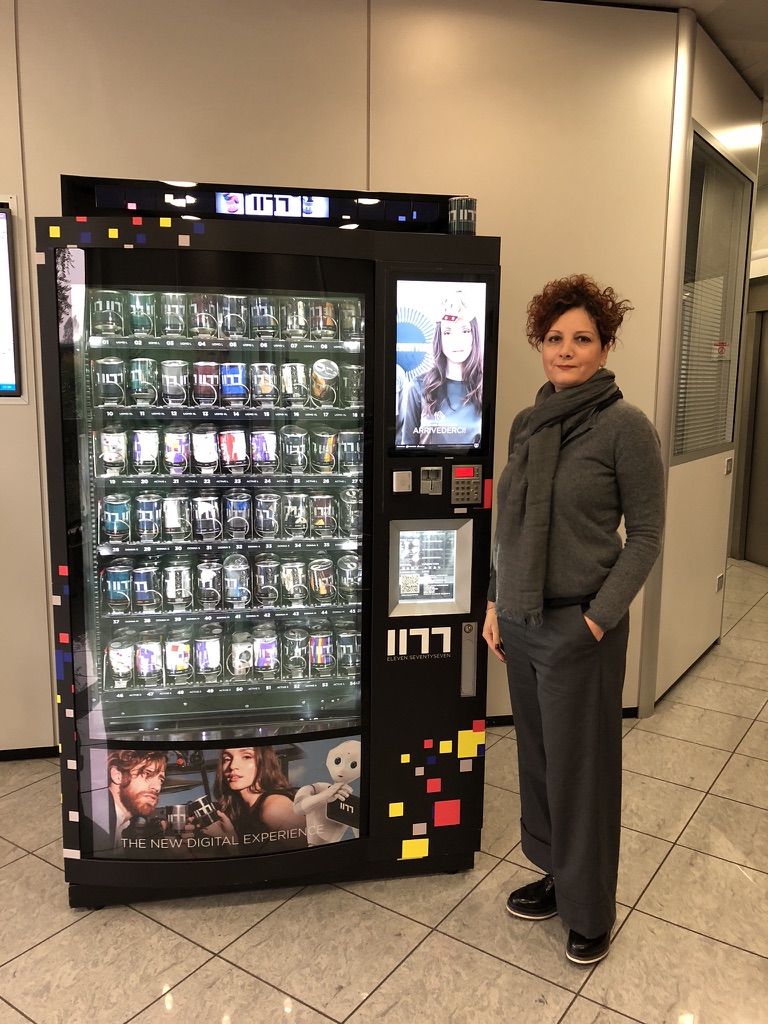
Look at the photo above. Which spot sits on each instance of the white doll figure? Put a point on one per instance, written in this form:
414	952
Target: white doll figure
343	764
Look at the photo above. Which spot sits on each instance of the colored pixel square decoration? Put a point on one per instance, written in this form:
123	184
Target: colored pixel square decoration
440	763
447	812
470	743
413	849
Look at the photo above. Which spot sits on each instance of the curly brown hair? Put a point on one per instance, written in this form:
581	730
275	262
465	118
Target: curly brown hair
576	292
128	762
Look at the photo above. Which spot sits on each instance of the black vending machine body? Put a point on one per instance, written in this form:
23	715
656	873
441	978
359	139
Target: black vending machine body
269	456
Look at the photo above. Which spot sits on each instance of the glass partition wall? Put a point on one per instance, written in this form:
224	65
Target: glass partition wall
712	303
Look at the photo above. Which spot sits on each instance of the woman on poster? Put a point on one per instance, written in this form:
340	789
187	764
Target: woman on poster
444	404
255	802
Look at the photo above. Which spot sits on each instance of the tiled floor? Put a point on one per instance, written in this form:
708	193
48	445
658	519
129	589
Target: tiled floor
691	944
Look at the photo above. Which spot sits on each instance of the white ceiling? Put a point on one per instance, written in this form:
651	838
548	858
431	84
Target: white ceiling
740	30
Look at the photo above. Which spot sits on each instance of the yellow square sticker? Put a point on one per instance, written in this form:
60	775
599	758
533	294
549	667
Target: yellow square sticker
469	741
413	849
165	222
396	810
446	746
405	759
113	233
54	232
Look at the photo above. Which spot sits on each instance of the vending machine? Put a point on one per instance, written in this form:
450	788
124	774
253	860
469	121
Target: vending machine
269	453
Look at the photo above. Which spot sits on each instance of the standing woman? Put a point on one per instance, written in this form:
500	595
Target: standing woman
580	458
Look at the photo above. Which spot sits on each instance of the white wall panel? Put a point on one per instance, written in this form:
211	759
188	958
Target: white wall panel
557	117
248	91
698	505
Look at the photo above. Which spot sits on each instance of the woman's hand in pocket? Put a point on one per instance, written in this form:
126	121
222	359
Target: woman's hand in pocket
594	629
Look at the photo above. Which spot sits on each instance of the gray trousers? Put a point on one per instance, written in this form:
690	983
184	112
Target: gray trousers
565	688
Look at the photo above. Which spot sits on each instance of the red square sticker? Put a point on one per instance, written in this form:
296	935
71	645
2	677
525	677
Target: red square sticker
428	744
447	812
434	785
63	638
138	221
478	725
63	570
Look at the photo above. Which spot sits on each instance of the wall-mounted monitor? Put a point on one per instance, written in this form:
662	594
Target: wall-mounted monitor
10	375
439	359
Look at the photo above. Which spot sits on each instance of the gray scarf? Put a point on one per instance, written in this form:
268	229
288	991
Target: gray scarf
525	493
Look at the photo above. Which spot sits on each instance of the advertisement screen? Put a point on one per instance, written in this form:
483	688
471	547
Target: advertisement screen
439	364
235	801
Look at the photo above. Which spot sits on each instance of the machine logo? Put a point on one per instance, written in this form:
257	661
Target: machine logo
418	644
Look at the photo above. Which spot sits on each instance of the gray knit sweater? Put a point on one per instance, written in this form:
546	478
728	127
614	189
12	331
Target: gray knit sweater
609	467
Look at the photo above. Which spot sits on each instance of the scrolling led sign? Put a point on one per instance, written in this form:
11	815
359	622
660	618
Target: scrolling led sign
262	204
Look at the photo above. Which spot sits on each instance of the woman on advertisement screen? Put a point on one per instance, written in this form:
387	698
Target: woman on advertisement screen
443	406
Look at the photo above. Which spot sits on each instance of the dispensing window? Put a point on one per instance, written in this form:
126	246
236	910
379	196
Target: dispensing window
430	567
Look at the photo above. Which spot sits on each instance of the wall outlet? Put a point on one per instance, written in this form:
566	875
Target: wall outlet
719	583
729	465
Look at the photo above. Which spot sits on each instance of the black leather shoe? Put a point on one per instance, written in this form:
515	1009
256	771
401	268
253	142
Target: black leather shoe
581	950
534	902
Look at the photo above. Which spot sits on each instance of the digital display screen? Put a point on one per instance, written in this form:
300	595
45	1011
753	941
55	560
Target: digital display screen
10	384
439	353
271	203
263	204
430	567
427	565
